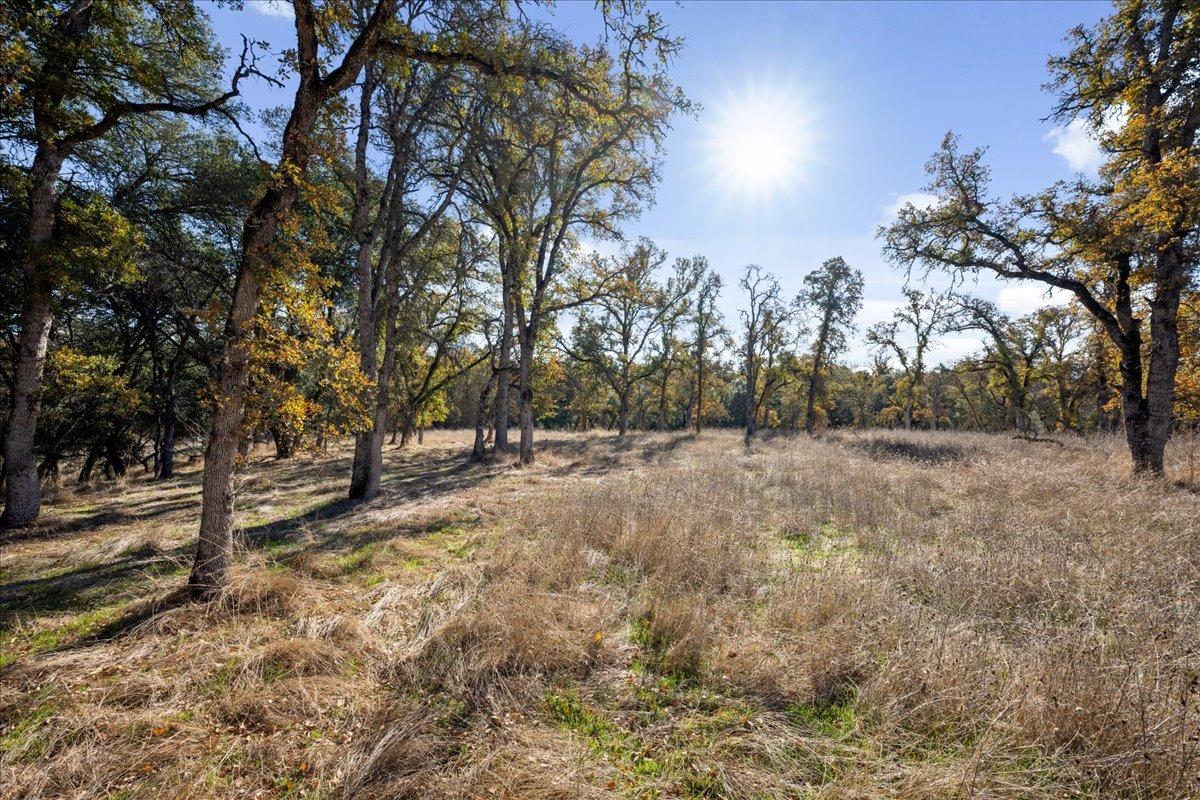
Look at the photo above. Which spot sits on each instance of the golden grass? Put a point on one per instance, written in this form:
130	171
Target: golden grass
875	615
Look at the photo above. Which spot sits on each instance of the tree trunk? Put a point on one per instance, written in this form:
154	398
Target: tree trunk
1134	410
113	455
1163	364
479	448
525	388
170	422
699	419
751	399
89	463
210	572
284	446
504	379
810	404
372	474
623	413
661	424
23	496
368	323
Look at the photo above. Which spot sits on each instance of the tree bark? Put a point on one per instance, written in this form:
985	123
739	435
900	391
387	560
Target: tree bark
1164	351
479	448
810	404
500	438
23	495
284	446
623	413
368	327
699	420
751	396
210	572
525	389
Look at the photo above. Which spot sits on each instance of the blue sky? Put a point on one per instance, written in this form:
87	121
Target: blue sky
872	88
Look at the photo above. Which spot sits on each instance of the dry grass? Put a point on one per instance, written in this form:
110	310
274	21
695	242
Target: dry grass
881	615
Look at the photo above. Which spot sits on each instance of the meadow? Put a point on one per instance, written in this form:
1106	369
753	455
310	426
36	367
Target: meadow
856	615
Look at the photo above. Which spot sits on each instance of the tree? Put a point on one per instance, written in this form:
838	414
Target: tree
613	339
833	294
551	169
921	316
764	322
316	87
427	140
1015	349
1125	246
706	329
441	40
76	71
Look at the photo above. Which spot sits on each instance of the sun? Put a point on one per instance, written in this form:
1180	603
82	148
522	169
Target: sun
758	141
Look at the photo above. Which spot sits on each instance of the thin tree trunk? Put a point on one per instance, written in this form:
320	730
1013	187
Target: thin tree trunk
373	476
662	401
166	450
504	379
525	388
751	398
479	448
368	323
170	422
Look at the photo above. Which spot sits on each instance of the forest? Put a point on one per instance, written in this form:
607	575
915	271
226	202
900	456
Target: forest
361	444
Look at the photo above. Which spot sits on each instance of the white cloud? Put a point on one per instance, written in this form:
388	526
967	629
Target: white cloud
1024	298
1077	145
920	200
274	8
946	350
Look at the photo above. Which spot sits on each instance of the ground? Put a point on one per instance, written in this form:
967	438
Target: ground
860	615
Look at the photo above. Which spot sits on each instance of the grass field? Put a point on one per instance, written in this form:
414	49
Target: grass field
875	615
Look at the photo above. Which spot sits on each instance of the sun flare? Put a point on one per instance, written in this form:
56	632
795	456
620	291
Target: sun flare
758	141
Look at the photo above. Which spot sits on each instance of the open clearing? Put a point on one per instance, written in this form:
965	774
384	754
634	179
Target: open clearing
874	615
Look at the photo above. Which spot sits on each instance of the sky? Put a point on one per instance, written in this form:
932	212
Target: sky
816	121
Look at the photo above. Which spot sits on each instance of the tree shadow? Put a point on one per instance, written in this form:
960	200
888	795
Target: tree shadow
930	453
416	476
410	475
63	528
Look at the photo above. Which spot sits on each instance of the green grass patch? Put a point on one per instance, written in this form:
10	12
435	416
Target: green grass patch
23	734
21	644
604	738
836	719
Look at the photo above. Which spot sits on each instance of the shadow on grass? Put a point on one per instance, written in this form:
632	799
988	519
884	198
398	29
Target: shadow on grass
87	585
909	450
411	475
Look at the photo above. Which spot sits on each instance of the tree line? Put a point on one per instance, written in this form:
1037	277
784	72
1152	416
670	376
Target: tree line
431	232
